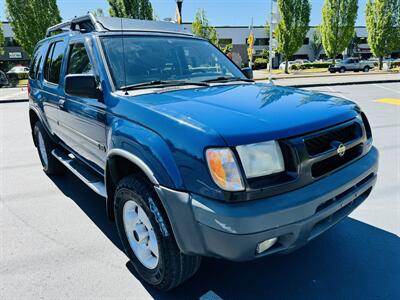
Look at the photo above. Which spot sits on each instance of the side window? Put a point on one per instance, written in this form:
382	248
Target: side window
79	62
54	61
35	65
32	74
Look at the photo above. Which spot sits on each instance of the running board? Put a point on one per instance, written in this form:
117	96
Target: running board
83	172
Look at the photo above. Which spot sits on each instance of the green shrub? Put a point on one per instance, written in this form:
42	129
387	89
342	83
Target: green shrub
315	65
260	63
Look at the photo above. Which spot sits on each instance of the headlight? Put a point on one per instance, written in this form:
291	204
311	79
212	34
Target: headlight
224	169
261	159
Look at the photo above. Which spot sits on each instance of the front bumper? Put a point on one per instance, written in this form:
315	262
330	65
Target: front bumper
232	230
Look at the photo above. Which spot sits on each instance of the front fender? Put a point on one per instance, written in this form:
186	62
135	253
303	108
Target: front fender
147	150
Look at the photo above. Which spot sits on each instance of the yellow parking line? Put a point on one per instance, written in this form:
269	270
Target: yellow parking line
389	101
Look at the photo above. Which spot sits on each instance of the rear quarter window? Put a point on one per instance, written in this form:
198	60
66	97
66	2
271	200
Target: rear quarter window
35	64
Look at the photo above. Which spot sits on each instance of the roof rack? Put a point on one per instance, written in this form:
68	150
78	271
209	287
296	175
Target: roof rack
90	23
86	23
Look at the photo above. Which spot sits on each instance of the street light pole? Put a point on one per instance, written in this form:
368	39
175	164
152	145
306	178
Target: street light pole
270	41
179	11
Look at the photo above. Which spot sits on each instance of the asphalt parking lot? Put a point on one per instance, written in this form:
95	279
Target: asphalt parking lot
56	242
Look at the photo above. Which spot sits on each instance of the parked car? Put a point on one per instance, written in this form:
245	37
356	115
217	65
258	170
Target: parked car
192	156
19	72
3	79
351	64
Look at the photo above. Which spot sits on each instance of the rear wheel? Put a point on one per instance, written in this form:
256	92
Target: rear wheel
147	236
45	145
342	70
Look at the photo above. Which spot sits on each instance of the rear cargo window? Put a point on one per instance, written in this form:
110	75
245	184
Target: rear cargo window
54	61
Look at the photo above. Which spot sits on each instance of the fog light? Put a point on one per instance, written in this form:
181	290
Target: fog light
265	245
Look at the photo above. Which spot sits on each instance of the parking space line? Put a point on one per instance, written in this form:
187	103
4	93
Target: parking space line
389	101
386	88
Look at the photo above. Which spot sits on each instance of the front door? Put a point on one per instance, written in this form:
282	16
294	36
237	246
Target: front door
82	120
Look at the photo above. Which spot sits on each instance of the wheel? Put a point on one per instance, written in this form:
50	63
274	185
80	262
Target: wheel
332	71
147	236
342	70
366	69
45	145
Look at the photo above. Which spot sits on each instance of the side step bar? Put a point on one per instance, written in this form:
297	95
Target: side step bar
92	180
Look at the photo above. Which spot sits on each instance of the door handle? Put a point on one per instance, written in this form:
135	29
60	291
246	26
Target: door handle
61	103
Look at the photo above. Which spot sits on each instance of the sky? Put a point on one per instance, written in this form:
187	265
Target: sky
219	12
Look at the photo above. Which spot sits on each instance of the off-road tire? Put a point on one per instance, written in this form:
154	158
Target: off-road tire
173	267
53	166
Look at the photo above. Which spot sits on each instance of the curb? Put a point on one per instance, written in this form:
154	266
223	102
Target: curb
343	83
14	101
325	75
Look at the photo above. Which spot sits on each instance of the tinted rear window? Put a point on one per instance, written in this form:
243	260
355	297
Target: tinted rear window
35	64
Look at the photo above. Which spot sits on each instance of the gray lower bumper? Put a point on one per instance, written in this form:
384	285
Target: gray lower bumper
232	230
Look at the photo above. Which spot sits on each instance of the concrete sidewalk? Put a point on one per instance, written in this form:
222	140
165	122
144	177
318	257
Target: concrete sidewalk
302	82
8	95
324	79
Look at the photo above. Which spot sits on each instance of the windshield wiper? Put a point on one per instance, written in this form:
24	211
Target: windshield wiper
162	83
228	78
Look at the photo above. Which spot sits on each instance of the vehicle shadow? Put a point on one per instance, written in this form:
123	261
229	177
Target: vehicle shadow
353	260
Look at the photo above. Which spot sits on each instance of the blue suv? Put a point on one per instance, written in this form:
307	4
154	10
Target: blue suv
192	156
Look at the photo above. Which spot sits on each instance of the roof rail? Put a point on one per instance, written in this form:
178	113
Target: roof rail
90	23
85	23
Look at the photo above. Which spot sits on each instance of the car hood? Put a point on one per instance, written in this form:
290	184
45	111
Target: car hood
250	113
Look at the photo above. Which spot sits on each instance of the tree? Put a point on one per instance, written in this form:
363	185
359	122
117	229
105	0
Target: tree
2	40
30	19
316	44
202	28
338	19
293	26
135	9
352	48
98	12
382	25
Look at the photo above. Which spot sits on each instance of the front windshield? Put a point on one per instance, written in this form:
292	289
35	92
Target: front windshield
149	59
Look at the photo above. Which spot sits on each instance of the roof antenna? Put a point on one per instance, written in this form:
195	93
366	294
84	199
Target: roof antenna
123	55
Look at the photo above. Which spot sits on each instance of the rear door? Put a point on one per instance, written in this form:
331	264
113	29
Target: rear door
82	120
51	82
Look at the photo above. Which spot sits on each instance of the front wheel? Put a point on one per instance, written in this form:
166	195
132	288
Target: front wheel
342	70
366	69
44	144
147	236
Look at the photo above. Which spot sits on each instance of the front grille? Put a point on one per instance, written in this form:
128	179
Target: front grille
328	165
323	142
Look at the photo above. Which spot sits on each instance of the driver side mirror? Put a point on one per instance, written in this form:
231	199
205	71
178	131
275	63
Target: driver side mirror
248	72
82	86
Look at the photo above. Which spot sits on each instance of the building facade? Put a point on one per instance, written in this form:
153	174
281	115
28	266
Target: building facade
237	36
13	53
